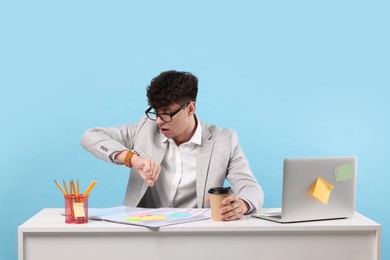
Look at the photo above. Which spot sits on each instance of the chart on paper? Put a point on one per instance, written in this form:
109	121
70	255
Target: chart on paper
149	217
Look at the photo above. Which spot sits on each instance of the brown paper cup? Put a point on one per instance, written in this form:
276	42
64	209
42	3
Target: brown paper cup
216	195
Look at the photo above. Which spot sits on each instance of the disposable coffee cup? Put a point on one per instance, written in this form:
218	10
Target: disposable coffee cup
217	194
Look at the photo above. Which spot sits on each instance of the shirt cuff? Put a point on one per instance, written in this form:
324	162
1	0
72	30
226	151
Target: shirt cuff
250	206
112	157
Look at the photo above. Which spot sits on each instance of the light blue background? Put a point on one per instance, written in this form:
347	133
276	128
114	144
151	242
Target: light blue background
293	78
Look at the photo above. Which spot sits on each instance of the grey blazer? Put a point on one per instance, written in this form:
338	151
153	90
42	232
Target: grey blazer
220	157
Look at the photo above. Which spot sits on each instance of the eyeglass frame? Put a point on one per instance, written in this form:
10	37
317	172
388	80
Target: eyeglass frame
171	115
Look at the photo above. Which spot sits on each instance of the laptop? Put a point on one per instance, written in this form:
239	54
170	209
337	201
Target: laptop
316	189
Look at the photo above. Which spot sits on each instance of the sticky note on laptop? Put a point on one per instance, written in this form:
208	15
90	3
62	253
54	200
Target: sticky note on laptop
321	190
344	172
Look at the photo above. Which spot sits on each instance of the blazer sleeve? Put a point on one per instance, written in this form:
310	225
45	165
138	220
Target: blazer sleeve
240	175
103	142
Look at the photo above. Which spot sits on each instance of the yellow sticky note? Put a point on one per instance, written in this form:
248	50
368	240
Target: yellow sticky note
154	218
78	210
321	190
134	219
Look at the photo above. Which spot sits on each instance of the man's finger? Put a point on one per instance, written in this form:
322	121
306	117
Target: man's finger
157	173
146	168
150	183
228	200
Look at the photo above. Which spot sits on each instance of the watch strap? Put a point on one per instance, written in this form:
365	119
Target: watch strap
128	157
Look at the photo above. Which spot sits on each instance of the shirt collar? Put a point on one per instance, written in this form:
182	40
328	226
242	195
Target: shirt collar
196	137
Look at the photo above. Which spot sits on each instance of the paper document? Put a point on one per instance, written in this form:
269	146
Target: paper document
147	217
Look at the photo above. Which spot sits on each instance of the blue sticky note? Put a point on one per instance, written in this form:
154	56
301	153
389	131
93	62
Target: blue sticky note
180	215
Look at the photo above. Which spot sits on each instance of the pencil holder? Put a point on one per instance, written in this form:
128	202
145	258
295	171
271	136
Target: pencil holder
76	209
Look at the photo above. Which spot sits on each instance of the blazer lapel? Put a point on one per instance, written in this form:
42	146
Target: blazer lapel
160	148
157	155
202	165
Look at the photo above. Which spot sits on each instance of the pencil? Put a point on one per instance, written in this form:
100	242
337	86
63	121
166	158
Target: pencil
59	186
78	188
66	189
90	187
73	188
70	188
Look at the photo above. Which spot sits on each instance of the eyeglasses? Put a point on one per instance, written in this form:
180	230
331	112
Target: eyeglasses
164	117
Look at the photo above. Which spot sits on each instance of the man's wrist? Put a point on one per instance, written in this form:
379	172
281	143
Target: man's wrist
128	161
248	206
128	157
134	159
119	157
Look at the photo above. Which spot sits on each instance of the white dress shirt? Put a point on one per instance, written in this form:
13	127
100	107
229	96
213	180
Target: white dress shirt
176	185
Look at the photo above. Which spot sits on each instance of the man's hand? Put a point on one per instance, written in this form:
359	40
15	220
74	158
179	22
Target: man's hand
233	208
148	169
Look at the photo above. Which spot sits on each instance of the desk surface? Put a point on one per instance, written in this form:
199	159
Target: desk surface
51	220
45	234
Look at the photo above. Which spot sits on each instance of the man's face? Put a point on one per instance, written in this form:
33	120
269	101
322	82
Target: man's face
182	125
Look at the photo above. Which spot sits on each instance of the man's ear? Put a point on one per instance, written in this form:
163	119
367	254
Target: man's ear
191	108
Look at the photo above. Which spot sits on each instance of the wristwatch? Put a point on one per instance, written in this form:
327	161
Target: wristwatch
128	157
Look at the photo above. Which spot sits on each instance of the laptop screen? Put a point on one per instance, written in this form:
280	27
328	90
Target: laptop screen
319	188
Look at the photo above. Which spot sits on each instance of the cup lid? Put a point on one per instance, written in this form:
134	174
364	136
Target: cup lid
220	190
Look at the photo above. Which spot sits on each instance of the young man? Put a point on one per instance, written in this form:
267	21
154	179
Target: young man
173	156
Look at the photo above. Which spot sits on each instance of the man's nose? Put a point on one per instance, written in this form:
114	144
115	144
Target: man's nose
159	121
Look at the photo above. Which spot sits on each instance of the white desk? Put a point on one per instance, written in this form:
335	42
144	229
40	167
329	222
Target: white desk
46	236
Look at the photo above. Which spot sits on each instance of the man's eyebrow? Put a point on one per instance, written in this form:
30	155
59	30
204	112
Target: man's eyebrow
162	110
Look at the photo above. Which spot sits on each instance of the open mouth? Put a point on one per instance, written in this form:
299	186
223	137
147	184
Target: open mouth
164	131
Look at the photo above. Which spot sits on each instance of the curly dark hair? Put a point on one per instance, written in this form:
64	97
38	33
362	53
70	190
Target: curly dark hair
172	87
